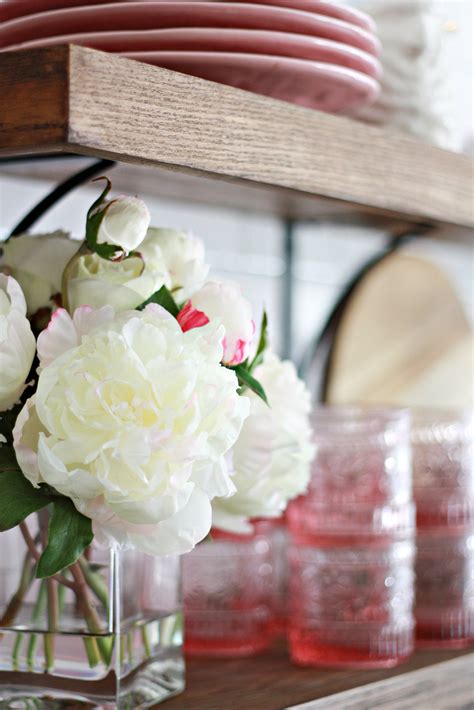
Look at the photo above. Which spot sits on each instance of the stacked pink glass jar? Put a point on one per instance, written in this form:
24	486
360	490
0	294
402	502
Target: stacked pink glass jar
232	592
352	543
443	478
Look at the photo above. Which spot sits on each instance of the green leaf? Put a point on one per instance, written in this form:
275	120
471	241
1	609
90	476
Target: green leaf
262	343
103	194
163	298
18	498
247	380
69	533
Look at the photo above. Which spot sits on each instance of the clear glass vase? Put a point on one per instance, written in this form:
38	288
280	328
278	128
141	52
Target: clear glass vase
106	632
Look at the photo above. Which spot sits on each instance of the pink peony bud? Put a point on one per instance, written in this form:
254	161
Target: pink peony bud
223	301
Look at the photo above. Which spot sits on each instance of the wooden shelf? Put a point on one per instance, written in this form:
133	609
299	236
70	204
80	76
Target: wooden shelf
440	680
231	147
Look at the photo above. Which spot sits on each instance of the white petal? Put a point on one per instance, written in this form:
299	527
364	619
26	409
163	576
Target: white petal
228	521
86	319
59	336
25	441
76	483
180	533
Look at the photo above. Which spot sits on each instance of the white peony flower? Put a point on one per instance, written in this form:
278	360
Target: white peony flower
125	223
37	263
132	420
17	342
182	255
167	257
125	284
273	454
224	302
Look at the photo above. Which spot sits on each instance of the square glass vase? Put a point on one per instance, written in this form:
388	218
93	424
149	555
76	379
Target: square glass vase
107	632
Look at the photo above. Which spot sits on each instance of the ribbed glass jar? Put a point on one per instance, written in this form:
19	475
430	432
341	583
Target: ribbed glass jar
230	593
352	543
443	478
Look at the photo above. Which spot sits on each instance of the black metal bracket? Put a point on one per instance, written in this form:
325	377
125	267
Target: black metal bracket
60	191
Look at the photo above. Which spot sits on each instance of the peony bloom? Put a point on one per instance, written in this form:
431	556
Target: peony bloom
132	419
95	282
169	258
273	454
223	301
37	263
125	223
17	342
183	257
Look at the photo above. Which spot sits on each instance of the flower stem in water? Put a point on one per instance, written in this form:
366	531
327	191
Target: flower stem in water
37	613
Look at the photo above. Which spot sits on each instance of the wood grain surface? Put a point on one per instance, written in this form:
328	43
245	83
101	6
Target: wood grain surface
407	330
445	686
117	108
271	682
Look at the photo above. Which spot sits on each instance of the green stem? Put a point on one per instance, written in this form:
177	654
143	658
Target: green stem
92	651
95	582
14	606
53	620
145	641
130	647
89	611
16	651
36	615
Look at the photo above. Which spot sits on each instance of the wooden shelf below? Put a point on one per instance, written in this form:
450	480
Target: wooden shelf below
441	680
231	147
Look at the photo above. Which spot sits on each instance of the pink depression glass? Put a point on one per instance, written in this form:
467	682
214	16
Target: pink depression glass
444	608
443	478
228	594
352	546
277	532
443	468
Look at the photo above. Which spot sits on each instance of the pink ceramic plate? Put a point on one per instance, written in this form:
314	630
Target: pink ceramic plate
204	39
18	8
159	15
326	87
323	7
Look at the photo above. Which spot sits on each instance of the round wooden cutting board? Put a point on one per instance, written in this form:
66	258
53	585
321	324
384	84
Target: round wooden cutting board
403	339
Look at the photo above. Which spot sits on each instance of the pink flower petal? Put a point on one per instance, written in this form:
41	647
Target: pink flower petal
189	317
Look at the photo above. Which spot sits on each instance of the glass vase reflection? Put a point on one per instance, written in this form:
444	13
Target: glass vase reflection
106	632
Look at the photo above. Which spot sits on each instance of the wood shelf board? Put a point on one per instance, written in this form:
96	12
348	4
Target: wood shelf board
271	682
189	188
268	154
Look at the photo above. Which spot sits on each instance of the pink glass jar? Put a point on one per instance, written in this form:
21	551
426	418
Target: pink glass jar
443	478
444	608
229	600
277	532
443	469
352	544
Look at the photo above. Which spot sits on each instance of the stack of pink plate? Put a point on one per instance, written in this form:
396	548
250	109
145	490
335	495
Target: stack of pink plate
315	53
